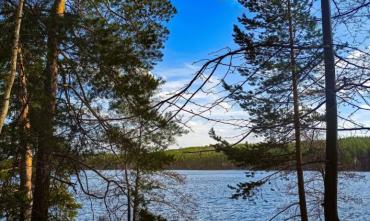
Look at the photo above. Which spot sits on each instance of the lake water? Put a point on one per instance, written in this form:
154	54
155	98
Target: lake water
209	197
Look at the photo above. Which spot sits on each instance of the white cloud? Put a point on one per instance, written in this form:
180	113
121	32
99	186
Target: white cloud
178	77
185	71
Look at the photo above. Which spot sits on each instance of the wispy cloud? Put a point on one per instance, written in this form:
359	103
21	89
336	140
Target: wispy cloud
185	71
199	126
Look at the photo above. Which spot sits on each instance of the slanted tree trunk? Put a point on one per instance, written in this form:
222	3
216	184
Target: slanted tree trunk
46	138
13	66
297	124
331	164
26	148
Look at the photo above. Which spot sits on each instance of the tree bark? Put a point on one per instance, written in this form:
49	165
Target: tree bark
128	196
26	147
331	165
297	124
46	139
13	66
135	207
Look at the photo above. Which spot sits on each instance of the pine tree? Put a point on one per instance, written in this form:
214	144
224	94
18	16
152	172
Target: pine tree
331	165
281	41
141	145
43	154
13	65
25	170
77	57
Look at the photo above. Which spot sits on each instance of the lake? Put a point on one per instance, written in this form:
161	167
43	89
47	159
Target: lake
208	197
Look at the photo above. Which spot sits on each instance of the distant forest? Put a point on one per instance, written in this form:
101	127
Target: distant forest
87	86
354	154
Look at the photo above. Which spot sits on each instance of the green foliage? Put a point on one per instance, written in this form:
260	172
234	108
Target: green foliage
199	158
102	161
63	205
246	189
266	92
259	156
106	51
354	155
10	196
145	215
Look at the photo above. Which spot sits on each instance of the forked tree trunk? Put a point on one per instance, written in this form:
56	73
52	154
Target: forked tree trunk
297	124
13	66
46	138
26	148
331	164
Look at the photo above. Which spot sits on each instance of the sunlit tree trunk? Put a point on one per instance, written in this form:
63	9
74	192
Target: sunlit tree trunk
297	124
13	66
26	148
46	141
331	165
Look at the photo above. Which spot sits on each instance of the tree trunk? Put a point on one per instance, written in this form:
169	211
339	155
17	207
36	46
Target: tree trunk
331	165
46	138
136	200
26	148
297	124
128	196
13	66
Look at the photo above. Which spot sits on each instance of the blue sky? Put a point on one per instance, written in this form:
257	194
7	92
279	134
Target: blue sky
199	28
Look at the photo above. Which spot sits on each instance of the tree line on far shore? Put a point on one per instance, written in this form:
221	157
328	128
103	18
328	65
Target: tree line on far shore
354	155
78	94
